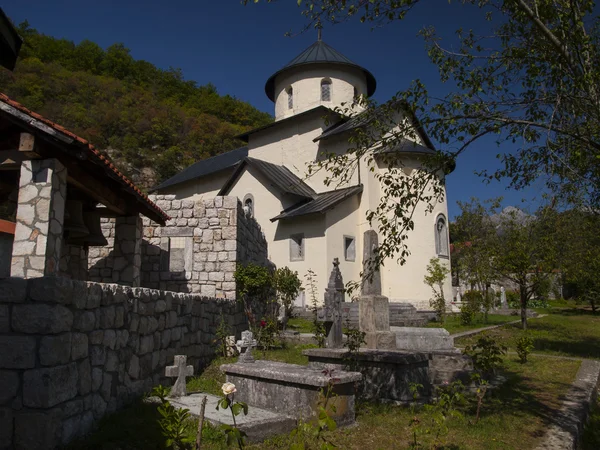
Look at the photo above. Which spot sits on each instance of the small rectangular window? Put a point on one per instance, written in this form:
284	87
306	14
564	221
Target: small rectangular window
177	254
349	248
297	247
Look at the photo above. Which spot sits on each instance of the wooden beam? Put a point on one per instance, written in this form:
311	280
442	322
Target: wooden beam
96	189
27	145
11	159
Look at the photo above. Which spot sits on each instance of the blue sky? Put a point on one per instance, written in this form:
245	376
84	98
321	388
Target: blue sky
237	48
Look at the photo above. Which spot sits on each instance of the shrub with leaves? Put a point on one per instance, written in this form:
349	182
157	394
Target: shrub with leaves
435	278
487	356
354	339
318	326
288	285
221	333
312	431
524	346
254	285
173	426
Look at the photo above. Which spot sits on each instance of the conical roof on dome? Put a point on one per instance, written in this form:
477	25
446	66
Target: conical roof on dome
319	53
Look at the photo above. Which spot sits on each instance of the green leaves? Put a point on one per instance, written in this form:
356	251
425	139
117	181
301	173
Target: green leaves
173	426
238	407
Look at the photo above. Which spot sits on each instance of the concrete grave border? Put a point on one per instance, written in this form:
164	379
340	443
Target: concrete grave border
565	433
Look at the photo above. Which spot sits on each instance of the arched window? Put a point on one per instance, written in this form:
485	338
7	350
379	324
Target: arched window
290	93
441	236
325	90
249	205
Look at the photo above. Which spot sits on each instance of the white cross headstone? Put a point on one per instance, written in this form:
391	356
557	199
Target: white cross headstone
246	342
181	370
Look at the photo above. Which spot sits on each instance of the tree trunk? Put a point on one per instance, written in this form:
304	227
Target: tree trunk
523	293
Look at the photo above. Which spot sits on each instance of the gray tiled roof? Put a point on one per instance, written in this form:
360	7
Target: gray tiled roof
206	167
319	53
321	203
280	176
362	119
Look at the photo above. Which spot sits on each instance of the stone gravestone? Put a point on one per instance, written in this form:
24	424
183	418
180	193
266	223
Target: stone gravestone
331	313
374	308
247	342
181	370
503	302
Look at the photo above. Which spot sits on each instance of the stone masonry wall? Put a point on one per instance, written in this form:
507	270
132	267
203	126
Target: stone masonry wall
73	351
197	250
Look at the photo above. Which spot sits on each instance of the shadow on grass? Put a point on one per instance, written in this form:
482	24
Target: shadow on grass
588	347
519	397
132	428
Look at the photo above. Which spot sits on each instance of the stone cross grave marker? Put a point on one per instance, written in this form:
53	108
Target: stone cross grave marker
246	342
374	308
331	314
181	370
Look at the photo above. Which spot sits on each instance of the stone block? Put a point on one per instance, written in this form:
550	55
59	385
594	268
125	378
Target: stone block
41	319
51	289
96	378
98	355
134	367
98	406
146	344
94	296
6	428
96	337
13	290
112	361
422	339
9	380
4	319
84	371
84	321
110	339
292	389
55	350
79	346
44	388
106	317
17	352
36	430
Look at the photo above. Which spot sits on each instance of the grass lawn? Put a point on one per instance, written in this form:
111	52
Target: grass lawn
453	325
566	332
513	417
301	325
591	434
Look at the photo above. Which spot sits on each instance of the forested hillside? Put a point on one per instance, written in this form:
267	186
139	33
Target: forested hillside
152	122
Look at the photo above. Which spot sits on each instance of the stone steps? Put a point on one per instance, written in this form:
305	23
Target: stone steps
259	424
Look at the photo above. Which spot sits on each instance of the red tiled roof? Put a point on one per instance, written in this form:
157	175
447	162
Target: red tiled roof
105	162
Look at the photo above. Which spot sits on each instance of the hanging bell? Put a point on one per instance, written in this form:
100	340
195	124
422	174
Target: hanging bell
95	238
74	226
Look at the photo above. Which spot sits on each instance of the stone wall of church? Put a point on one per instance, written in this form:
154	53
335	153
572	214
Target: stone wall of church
197	251
73	351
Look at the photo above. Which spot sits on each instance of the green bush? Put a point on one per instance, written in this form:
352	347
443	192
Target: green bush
471	305
487	356
524	346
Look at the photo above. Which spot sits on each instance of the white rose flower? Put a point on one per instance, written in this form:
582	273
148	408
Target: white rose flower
228	388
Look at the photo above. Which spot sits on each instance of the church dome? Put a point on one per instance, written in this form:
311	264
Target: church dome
320	53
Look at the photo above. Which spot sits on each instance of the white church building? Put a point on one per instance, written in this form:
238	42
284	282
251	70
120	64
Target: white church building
306	223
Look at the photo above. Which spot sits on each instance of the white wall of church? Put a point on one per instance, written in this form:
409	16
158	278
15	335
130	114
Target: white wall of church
344	221
405	283
305	83
291	145
200	188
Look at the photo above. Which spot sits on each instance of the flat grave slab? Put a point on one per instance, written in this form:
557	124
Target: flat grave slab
259	424
292	389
